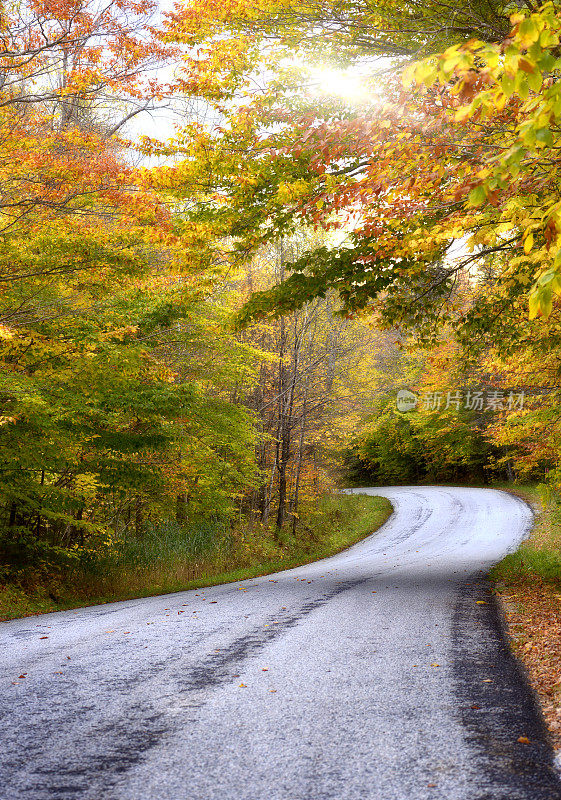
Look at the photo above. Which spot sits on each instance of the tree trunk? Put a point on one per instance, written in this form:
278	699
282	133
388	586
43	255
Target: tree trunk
283	448
138	516
299	466
181	508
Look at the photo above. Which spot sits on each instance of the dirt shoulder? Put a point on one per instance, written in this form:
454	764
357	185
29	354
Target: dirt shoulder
534	625
528	584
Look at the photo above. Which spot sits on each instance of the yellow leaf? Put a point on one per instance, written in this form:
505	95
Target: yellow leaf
463	113
534	305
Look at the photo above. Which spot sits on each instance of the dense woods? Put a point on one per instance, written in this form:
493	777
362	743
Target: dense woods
202	335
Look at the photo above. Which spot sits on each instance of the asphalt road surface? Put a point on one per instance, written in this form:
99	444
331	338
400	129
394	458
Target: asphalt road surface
379	673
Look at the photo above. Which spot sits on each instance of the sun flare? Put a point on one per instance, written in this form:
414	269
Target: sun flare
340	83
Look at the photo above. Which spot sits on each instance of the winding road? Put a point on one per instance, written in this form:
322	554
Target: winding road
381	673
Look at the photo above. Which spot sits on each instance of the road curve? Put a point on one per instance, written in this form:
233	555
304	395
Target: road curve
378	674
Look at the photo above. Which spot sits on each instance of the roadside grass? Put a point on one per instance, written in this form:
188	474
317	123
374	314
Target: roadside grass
171	558
539	556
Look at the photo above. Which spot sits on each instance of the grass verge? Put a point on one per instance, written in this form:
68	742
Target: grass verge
528	583
167	559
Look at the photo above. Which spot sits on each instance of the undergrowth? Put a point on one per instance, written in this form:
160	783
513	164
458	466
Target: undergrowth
169	557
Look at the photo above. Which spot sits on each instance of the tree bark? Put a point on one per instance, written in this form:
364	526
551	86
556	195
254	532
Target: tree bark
138	516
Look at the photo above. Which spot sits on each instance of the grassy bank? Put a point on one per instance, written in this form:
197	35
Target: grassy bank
169	558
539	557
529	584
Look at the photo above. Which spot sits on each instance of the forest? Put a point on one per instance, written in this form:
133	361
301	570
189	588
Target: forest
231	234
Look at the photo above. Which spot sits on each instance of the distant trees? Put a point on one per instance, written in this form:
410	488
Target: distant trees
316	383
475	421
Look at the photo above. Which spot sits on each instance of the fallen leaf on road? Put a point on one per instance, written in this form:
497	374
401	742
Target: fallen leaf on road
523	740
272	691
482	602
435	665
486	680
22	675
475	707
43	637
264	669
243	686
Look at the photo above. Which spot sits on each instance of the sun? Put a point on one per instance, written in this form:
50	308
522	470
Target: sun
340	83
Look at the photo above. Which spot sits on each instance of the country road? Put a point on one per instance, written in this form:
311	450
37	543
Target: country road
378	674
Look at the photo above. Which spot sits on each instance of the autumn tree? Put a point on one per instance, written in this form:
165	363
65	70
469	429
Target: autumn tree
344	30
115	369
407	169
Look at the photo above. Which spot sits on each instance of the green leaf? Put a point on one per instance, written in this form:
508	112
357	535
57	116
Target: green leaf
534	80
477	196
507	85
528	31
